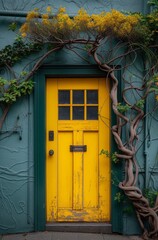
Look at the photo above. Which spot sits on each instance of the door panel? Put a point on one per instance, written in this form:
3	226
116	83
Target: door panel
64	169
78	177
91	170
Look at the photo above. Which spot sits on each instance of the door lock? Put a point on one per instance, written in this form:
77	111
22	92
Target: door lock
51	152
51	135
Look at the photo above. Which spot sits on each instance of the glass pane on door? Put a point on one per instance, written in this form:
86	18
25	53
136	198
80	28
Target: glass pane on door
92	113
78	96
64	113
64	97
78	113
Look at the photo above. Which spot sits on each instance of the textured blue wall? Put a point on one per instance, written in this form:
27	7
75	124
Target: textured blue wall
16	140
16	169
73	6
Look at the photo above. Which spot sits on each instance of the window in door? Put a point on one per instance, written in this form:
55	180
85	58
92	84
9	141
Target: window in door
78	104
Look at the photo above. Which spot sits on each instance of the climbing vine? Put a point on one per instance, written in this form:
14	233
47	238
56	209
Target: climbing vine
14	90
114	40
17	51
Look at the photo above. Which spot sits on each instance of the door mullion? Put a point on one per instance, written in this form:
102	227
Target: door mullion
78	172
70	104
85	105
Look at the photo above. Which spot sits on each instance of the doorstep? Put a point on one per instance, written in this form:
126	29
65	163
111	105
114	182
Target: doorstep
80	227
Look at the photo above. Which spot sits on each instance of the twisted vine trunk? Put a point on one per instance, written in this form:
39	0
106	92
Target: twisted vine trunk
144	212
5	110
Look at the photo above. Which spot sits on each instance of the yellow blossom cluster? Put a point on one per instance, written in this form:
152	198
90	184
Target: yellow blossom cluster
82	20
106	23
45	19
63	21
49	9
115	23
24	29
32	14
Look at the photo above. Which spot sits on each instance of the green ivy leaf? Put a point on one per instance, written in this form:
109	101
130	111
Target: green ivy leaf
140	103
12	26
123	108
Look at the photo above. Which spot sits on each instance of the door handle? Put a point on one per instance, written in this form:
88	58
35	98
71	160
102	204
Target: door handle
51	152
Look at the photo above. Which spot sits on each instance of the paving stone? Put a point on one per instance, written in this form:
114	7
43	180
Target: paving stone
28	236
135	238
114	237
66	236
14	237
39	236
89	236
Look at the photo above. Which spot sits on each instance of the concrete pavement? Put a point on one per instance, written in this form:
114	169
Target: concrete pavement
66	236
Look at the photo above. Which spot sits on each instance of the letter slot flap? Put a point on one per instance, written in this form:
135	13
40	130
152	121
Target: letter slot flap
78	148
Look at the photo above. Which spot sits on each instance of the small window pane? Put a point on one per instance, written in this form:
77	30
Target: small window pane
78	113
92	113
64	97
64	113
92	96
78	97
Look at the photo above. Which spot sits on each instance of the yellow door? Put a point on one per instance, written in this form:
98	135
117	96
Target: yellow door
77	126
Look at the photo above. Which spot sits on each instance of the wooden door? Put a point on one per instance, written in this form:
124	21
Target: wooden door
77	126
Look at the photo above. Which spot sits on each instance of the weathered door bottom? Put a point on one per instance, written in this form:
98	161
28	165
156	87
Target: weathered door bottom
80	227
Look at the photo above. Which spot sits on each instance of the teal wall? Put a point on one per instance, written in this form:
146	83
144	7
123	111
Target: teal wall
17	208
17	169
72	6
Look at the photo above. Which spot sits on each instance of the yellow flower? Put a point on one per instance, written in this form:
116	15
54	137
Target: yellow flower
31	15
133	19
45	21
62	10
24	28
64	22
91	25
82	20
156	97
45	16
23	35
49	9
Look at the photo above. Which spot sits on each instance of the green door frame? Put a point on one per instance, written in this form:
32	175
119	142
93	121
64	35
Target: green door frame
39	141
